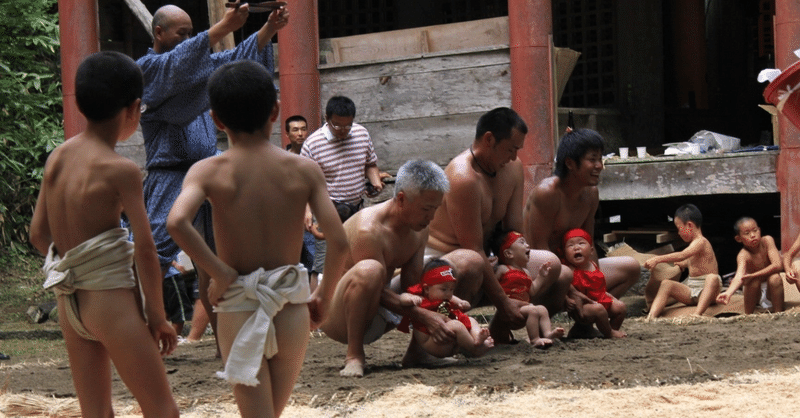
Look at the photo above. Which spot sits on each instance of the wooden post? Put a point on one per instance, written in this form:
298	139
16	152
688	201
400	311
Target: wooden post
298	61
216	10
78	30
787	31
530	26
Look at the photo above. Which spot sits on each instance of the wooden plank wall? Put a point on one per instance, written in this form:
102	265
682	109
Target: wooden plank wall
658	177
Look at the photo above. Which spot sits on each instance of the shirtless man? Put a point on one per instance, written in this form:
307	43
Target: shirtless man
366	302
486	184
567	200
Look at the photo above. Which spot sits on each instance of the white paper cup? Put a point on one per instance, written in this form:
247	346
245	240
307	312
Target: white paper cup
641	152
623	152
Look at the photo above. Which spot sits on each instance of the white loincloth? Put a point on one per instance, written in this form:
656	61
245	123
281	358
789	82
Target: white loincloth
100	263
265	292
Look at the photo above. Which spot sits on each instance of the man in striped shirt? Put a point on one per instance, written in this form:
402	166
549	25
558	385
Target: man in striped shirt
344	151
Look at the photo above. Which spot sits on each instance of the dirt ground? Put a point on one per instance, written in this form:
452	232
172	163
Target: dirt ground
657	354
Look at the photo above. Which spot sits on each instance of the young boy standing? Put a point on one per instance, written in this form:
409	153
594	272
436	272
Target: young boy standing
704	283
259	193
758	262
85	189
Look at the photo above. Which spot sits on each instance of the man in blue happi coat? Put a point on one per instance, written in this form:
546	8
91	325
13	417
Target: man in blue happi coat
176	125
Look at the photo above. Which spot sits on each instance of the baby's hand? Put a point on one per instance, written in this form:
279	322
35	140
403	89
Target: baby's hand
460	304
544	269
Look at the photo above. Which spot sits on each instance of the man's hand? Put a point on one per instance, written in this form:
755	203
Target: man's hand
435	322
510	314
234	18
277	20
164	335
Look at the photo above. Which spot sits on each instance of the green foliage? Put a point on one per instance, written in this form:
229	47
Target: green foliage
30	111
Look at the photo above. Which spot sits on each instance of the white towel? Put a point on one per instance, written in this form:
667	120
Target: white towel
265	292
100	263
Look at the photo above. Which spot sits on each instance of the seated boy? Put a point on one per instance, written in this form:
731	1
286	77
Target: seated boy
758	262
258	193
704	283
85	188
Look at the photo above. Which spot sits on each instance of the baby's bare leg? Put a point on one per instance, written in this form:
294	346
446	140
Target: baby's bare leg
113	316
480	340
617	314
709	294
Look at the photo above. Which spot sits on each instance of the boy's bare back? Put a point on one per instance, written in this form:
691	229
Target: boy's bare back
86	185
258	193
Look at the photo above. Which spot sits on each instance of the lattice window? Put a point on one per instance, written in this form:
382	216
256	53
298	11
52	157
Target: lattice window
355	17
454	11
588	26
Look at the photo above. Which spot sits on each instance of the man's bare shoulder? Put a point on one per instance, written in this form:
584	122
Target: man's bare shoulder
547	188
459	169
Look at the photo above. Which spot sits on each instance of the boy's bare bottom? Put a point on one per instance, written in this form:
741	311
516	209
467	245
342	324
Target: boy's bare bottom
112	316
278	374
699	291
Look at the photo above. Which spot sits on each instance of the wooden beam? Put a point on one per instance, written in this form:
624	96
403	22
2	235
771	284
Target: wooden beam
142	14
216	10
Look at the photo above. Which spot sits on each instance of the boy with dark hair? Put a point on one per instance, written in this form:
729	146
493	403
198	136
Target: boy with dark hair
573	146
85	189
260	294
758	264
703	284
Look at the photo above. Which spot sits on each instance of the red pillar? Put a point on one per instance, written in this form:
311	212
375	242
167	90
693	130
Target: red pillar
530	25
787	39
78	30
298	56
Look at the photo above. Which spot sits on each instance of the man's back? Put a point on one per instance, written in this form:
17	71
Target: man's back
85	182
258	193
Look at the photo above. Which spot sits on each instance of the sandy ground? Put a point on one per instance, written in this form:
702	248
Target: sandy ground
693	367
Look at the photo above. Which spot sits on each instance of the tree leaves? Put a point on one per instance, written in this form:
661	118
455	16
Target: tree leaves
30	111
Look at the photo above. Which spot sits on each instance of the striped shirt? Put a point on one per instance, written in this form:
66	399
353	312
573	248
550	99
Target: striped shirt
343	162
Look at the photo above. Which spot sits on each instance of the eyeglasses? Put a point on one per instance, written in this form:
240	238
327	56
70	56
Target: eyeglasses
340	128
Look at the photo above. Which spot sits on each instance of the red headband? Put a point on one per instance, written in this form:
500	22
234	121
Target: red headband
511	238
442	274
577	232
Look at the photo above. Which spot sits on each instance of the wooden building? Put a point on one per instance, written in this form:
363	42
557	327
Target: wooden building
648	73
